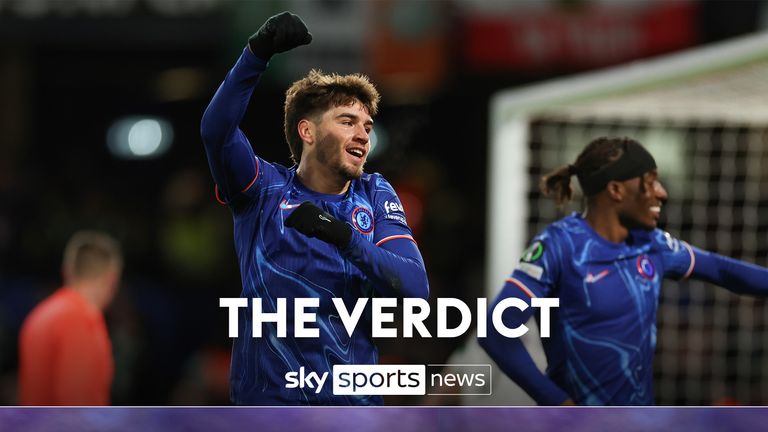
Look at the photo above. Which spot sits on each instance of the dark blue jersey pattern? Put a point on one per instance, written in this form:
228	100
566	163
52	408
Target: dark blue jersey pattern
603	335
280	262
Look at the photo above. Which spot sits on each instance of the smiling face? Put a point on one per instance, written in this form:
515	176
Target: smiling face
343	140
644	197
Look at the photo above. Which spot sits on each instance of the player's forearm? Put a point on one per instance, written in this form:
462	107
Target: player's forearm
737	276
228	105
513	358
397	268
230	155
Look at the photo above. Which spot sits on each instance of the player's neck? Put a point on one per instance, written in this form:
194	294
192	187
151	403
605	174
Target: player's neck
606	224
319	179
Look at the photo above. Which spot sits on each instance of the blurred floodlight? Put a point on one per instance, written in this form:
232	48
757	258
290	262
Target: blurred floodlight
379	142
144	137
139	137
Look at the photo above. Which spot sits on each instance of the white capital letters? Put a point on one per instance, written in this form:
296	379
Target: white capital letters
260	317
233	304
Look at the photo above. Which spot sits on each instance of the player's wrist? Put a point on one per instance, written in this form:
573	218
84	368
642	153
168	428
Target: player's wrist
259	48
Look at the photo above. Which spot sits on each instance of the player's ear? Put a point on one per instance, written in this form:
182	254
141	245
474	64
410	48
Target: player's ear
615	190
307	131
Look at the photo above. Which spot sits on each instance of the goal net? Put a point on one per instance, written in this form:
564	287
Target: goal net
703	114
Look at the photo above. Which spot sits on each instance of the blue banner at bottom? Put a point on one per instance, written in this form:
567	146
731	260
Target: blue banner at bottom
390	419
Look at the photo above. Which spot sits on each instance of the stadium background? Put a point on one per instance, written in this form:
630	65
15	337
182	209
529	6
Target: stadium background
70	69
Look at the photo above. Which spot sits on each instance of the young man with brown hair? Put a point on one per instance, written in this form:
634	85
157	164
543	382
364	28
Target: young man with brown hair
321	229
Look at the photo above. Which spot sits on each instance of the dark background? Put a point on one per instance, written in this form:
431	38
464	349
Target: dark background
68	69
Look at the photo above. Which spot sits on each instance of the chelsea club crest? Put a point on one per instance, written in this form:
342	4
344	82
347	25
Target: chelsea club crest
645	267
362	219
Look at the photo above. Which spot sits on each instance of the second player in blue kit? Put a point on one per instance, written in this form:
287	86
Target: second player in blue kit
606	266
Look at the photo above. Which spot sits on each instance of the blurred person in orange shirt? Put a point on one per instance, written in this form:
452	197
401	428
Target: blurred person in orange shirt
65	354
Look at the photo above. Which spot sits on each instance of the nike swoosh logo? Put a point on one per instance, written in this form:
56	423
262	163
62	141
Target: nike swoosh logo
285	206
594	278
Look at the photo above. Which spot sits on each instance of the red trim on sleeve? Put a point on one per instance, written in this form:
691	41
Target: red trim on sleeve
522	286
216	187
693	260
401	236
255	176
216	194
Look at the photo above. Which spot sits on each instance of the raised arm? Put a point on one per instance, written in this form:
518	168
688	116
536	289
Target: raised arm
682	260
230	156
737	276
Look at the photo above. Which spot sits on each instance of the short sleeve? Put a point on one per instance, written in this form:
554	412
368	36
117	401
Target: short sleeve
677	256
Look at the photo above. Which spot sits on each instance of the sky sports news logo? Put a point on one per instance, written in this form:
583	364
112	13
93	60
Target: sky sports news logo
383	380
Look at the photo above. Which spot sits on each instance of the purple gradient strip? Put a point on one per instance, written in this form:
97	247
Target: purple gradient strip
389	419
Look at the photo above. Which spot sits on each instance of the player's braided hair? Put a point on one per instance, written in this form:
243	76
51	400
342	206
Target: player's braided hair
317	92
600	152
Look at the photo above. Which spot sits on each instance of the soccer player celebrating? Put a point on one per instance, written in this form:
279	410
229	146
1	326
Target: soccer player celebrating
320	229
606	266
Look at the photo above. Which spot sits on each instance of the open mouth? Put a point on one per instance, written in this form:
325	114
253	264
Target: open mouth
655	210
356	152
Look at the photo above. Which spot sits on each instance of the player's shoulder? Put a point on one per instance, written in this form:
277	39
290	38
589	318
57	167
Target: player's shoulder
569	226
272	176
265	166
375	183
374	179
566	235
665	241
554	238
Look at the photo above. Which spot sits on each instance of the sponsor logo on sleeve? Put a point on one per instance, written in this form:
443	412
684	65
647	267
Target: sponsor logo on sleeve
393	206
394	211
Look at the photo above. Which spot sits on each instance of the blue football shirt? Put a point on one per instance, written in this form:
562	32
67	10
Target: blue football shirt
603	335
278	262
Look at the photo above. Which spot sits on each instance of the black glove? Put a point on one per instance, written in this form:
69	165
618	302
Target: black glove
312	221
279	33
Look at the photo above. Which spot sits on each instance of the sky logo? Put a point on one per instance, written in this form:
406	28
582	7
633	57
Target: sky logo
381	380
